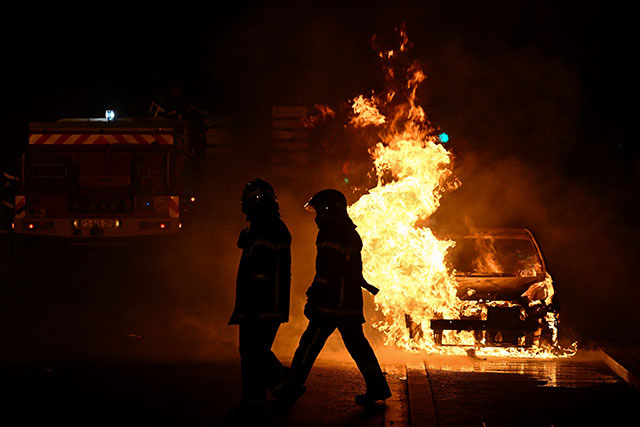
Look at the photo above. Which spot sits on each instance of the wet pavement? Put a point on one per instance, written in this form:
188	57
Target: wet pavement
171	394
442	391
577	391
117	340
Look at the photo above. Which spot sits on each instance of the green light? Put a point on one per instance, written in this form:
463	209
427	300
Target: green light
346	180
443	137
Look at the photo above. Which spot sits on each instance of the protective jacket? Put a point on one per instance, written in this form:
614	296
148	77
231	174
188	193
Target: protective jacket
335	292
263	283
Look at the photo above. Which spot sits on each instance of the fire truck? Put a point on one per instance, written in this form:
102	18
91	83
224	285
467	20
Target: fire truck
105	178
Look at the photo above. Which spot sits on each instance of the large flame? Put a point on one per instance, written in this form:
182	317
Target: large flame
403	258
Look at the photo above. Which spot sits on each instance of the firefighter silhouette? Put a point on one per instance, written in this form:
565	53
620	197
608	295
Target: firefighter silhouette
262	291
174	103
334	301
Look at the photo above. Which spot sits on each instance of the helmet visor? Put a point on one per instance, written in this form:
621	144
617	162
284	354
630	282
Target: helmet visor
309	208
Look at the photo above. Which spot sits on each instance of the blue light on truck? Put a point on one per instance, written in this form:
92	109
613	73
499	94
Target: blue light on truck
443	137
109	115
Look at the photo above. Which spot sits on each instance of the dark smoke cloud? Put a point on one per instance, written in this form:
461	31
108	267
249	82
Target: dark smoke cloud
525	159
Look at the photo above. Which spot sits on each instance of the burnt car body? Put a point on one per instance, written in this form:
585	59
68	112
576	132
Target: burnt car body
502	277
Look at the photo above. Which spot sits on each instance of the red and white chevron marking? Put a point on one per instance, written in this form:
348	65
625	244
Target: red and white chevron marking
92	138
174	207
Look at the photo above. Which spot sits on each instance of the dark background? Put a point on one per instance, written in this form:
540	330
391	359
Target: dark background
537	97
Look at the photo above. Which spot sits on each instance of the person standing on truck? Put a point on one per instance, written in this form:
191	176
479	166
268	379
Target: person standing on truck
262	293
334	301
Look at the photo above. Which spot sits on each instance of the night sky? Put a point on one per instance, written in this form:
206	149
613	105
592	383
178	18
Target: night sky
538	97
238	58
552	84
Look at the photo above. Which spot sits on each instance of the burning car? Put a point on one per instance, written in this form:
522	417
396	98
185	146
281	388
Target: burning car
439	294
507	293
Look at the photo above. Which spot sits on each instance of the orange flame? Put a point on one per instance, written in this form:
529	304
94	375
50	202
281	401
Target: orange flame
406	261
366	113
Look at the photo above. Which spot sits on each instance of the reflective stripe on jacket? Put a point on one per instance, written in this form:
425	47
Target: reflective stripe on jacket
335	292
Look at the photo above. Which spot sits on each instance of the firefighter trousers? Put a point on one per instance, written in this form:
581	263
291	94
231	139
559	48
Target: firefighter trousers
260	369
313	340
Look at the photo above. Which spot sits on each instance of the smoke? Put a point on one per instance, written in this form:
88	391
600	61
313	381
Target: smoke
201	273
515	114
524	160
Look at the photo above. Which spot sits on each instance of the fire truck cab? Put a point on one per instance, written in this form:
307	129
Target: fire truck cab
104	178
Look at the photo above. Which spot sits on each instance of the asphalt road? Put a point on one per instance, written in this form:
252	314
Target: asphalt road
169	394
577	391
449	392
139	337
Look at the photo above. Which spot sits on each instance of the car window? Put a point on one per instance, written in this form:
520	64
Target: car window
488	256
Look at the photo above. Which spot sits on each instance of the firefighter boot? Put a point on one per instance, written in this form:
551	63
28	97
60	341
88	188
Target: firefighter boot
377	389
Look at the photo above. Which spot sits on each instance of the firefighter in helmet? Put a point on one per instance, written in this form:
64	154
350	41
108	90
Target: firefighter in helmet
262	291
334	301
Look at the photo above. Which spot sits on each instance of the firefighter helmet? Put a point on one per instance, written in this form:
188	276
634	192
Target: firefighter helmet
328	204
258	196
